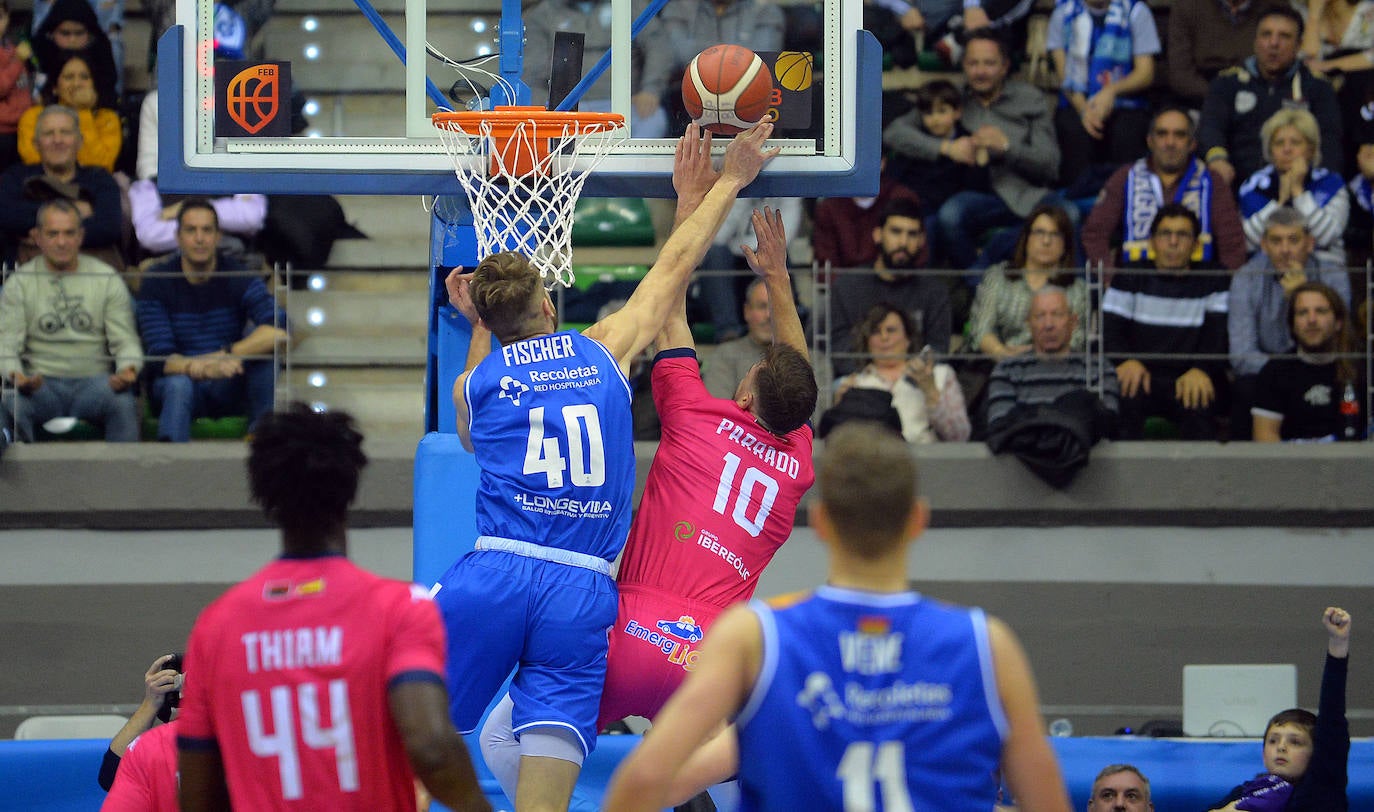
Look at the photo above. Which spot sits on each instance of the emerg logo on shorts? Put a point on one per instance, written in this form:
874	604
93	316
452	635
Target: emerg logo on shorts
674	638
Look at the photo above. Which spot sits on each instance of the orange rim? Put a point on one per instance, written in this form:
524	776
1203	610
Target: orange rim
518	147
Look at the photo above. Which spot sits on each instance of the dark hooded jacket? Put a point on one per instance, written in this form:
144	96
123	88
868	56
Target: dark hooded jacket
98	54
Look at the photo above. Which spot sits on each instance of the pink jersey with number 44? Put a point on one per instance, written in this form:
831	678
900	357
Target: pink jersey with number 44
287	677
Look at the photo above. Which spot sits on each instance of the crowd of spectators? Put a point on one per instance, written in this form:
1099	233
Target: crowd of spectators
986	178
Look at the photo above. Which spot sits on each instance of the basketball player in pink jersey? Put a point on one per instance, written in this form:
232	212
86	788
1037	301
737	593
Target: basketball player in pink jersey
315	684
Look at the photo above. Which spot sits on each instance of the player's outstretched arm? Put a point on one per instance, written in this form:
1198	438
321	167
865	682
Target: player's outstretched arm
1028	761
436	751
203	786
769	261
458	285
714	762
628	331
712	693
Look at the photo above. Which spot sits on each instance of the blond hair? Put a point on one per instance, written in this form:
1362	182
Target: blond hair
507	292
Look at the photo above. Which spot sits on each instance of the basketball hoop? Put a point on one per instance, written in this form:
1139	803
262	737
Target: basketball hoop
522	197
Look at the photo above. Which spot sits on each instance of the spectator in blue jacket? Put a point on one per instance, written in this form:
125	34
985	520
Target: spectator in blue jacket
193	318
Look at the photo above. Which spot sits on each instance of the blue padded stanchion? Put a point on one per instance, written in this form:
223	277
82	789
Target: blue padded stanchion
445	494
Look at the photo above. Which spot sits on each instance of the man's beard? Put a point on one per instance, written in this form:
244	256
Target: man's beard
892	262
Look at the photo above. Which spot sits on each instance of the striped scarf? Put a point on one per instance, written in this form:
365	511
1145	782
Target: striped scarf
1088	59
1144	196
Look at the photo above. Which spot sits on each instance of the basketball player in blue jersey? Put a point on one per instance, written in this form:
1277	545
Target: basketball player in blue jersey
861	695
548	417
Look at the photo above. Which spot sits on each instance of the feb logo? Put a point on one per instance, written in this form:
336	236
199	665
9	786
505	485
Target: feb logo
254	97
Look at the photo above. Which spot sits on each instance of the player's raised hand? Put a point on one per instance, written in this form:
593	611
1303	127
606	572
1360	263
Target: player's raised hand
693	176
771	255
1337	623
459	296
746	155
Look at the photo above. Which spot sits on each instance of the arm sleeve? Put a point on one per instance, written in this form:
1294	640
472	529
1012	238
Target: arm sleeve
1328	112
1117	307
949	418
1078	305
1001	394
17	215
676	381
1227	233
937	317
824	243
1325	222
241	214
1184	77
104	225
120	331
10	70
146	167
1257	217
905	137
261	307
1214	342
1105	217
982	313
13	328
1144	33
1213	123
1267	395
102	137
1036	156
1242	334
1327	773
28	123
155	234
416	641
155	327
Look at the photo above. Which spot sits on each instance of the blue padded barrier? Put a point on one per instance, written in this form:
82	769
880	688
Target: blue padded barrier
1185	774
445	496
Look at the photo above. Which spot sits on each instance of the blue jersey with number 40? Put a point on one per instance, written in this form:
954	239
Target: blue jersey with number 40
550	425
871	701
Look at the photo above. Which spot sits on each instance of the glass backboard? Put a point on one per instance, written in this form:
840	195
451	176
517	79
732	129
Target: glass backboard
371	77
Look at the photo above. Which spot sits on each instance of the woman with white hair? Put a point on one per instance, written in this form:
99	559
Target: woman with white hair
1293	177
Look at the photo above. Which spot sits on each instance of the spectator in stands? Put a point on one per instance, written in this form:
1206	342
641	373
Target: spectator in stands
1205	38
1360	230
192	316
1242	98
1053	368
1120	788
924	299
1338	34
1104	57
1306	752
925	394
939	107
842	227
162	679
727	366
929	17
1044	252
109	15
102	133
1172	312
63	316
545	18
71	27
155	217
1302	398
1258	321
58	175
16	90
1012	136
1169	174
1004	18
1294	178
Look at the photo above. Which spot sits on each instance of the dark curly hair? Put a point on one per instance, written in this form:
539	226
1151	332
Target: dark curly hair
303	468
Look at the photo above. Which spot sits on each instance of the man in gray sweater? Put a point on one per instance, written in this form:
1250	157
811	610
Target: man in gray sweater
1010	152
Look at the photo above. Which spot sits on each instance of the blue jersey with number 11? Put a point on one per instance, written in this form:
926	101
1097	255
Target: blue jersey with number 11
550	425
871	701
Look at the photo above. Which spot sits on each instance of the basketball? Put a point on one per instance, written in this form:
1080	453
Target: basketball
793	70
727	89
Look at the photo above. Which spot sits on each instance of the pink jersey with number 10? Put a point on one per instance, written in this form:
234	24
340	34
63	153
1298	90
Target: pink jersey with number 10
287	677
721	496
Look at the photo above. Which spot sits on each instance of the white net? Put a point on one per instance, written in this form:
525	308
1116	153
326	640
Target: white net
522	195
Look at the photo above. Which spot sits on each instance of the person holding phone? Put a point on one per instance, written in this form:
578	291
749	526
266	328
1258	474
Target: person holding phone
925	394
